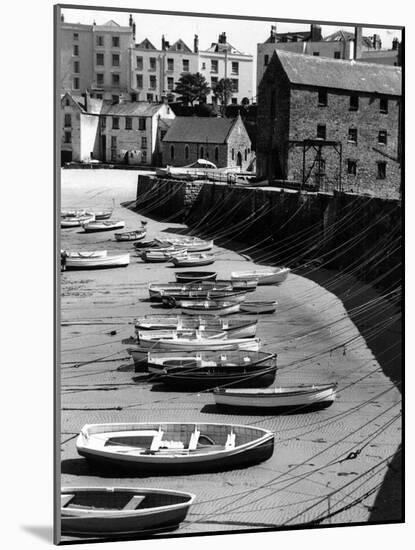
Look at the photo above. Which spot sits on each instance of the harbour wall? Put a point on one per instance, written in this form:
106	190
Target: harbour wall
339	231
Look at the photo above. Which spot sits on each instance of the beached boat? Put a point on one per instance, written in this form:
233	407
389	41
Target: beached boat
192	244
97	262
174	289
76	221
159	256
195	170
171	299
84	253
273	398
121	511
212	307
192	340
265	276
130	235
237	327
193	276
74	212
104	225
192	260
174	447
197	370
242	284
259	307
146	244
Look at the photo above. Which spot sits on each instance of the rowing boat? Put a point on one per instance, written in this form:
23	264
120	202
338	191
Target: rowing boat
192	244
212	307
174	289
76	221
121	511
174	447
171	299
265	276
97	262
259	307
193	276
195	260
103	225
192	339
159	256
130	235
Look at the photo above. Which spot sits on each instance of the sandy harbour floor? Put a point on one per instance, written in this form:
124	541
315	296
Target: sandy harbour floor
98	384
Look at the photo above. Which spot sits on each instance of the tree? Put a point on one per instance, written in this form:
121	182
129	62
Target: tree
191	87
224	90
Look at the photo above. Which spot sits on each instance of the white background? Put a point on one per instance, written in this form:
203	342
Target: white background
26	382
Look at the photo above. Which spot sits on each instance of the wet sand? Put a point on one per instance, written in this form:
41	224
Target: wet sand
308	332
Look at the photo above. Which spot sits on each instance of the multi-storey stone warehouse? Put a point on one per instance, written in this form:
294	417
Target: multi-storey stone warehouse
330	124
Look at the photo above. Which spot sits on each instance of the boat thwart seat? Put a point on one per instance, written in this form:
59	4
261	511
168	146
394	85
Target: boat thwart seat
134	503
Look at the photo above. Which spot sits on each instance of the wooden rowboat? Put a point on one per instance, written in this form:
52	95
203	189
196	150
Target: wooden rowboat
105	225
174	447
265	276
171	299
195	340
305	396
190	260
100	262
212	307
151	338
192	244
259	307
158	256
121	511
238	328
146	245
242	284
209	369
76	221
130	235
174	289
192	276
84	253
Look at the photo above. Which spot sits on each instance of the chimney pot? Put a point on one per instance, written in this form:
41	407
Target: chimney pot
315	31
357	50
196	44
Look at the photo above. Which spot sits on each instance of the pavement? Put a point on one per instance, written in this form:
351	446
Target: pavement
330	462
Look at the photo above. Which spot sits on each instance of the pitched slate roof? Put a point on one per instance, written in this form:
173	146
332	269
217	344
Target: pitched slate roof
347	36
199	130
309	70
131	108
175	47
301	36
94	105
146	44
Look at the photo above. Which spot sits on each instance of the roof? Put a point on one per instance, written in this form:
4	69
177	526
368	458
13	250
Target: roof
146	45
340	74
94	105
219	47
165	123
199	130
184	47
347	37
131	108
301	36
387	57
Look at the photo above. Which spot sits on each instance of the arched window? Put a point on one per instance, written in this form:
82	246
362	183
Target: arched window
201	152
216	154
186	152
172	152
246	154
233	154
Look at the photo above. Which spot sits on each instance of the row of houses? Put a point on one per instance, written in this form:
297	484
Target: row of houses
107	61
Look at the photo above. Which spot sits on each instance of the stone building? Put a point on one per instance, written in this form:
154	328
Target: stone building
80	128
129	132
154	72
222	60
223	141
330	124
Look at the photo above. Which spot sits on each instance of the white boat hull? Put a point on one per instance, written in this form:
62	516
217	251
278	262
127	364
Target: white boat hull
120	260
269	276
191	260
248	344
258	307
190	308
93	227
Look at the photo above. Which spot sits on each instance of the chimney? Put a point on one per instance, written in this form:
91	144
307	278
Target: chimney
87	97
273	34
222	38
357	50
196	44
395	44
316	35
163	43
134	31
130	21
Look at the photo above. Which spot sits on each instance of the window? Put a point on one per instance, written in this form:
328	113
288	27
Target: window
213	82
214	66
99	96
203	66
115	60
381	170
322	98
354	103
68	137
383	105
68	120
152	62
216	154
170	64
76	67
144	142
185	65
172	152
186	152
235	67
76	49
337	55
321	131
142	123
201	152
139	63
139	79
150	97
233	154
115	41
75	36
234	101
266	59
115	79
128	123
351	167
103	121
153	82
383	137
100	41
316	54
100	79
143	156
352	135
113	142
115	123
170	83
246	154
115	99
76	83
100	58
235	84
67	102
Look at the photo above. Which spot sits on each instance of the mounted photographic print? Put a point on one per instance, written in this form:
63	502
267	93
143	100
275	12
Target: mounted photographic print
229	274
